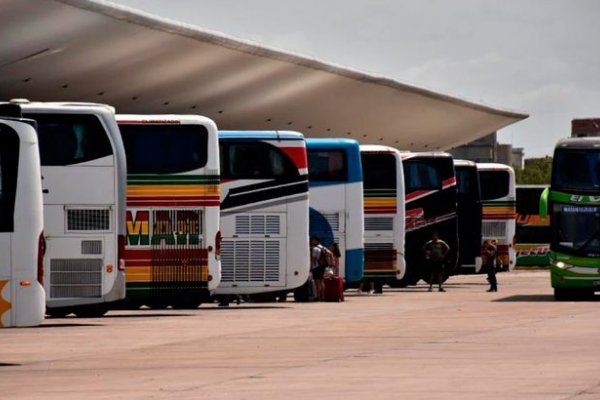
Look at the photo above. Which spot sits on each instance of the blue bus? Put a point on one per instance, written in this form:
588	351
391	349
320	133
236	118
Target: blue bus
336	201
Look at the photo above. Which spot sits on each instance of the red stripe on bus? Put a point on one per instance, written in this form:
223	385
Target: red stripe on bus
297	155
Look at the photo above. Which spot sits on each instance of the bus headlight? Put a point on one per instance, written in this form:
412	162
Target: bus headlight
560	264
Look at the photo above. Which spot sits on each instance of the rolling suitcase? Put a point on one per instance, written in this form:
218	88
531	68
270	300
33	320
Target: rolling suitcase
334	289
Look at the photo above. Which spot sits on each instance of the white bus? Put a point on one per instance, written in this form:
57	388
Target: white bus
264	212
83	180
336	201
498	198
22	299
383	183
173	240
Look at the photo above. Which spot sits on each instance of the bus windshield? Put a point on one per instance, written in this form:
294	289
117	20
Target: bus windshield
576	170
577	229
379	171
421	175
466	181
157	152
327	165
67	139
494	184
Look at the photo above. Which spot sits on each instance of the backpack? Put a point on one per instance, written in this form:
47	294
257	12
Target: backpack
325	257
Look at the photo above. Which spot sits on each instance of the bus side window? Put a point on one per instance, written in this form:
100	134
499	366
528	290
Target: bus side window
9	164
255	160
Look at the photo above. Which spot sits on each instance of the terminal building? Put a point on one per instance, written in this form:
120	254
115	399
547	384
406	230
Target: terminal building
487	149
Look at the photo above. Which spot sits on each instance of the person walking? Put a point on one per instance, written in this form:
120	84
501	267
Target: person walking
435	252
490	253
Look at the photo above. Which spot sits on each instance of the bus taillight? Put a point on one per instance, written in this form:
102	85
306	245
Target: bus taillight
40	258
218	245
121	253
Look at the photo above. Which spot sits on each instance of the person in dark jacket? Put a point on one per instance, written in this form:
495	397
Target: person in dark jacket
490	253
435	252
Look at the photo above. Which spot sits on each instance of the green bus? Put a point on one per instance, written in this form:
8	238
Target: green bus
573	204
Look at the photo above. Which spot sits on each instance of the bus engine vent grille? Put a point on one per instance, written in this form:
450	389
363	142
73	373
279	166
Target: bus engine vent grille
257	225
334	221
79	219
250	261
493	229
379	224
91	247
72	277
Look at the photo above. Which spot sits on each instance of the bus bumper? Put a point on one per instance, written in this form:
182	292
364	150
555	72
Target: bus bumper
566	276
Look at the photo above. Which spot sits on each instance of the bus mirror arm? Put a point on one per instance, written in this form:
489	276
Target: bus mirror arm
544	203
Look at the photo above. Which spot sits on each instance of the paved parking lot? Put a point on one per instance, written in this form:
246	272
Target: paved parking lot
406	343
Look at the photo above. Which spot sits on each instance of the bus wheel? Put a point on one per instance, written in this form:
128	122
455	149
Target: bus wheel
57	312
562	294
157	304
90	311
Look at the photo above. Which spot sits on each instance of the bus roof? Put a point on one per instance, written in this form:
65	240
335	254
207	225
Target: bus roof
326	143
379	148
166	119
272	135
579	143
425	154
494	167
464	163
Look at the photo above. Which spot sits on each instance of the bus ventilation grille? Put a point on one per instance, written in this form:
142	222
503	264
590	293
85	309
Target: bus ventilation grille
379	224
79	219
71	277
91	247
257	225
493	229
250	261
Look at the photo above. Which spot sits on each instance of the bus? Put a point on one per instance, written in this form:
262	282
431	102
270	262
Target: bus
336	201
430	186
264	213
172	247
83	179
468	206
383	192
573	204
533	234
22	297
498	197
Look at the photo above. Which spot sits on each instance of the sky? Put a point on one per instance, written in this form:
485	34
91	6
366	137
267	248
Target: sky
541	57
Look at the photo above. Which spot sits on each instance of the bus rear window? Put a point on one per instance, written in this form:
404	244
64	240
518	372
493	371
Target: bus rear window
254	160
419	175
494	184
327	165
164	149
9	164
379	170
466	181
67	139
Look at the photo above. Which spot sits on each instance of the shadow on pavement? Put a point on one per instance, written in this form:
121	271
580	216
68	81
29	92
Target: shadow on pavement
65	325
9	364
145	315
540	298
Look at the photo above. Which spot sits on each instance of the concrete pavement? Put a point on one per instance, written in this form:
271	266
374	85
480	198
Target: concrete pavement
407	343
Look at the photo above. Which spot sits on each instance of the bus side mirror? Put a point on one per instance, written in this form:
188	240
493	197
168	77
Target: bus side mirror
544	203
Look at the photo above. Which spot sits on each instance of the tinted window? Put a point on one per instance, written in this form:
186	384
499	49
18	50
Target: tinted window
67	139
327	165
466	181
419	175
494	184
254	160
9	164
379	170
528	200
576	169
164	149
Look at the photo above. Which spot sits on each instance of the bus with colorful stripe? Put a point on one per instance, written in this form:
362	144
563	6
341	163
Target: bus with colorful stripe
468	206
383	191
173	241
83	180
22	298
573	204
533	234
430	186
264	213
336	201
498	198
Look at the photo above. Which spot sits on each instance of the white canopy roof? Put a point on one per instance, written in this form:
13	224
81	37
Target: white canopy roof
89	50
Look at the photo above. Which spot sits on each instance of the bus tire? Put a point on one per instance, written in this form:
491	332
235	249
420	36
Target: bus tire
563	294
57	312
